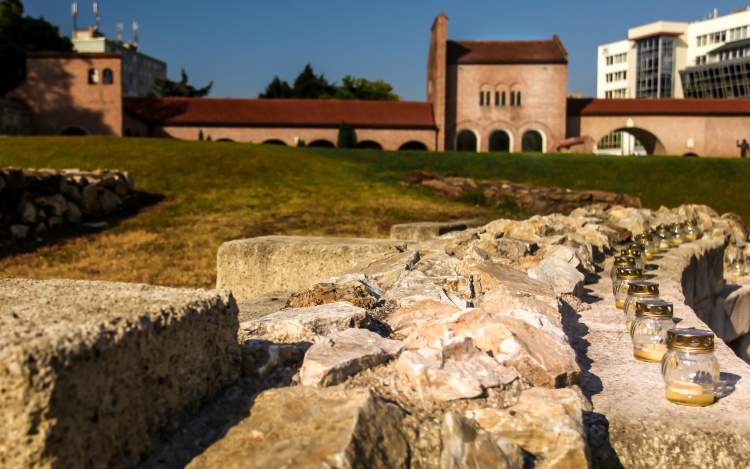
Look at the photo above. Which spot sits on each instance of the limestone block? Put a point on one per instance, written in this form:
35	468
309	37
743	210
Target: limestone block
407	296
455	243
486	330
737	224
491	275
634	225
542	323
495	226
507	248
521	229
560	275
468	447
745	348
433	272
304	324
323	293
424	231
387	267
342	354
569	255
305	427
261	357
251	267
404	320
736	308
93	374
547	423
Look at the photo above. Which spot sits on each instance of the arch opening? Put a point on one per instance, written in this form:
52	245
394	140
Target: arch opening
107	77
274	141
532	141
500	141
368	145
413	145
321	144
73	130
631	141
466	140
228	140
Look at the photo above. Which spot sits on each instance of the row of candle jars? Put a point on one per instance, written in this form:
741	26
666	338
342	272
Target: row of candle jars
739	267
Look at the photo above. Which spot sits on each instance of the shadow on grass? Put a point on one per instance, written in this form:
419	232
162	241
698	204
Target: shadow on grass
68	231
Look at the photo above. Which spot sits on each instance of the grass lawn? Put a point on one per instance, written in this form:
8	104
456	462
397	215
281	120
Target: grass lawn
218	191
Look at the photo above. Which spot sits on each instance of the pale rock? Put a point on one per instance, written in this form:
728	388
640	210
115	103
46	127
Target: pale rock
592	235
375	288
612	235
19	231
561	276
56	204
304	427
587	212
520	229
737	225
490	275
407	296
476	253
452	369
542	323
434	271
386	268
550	225
455	243
261	357
496	226
468	447
552	240
634	225
617	213
507	248
304	324
346	353
485	329
569	255
404	320
110	201
547	423
73	214
529	262
27	211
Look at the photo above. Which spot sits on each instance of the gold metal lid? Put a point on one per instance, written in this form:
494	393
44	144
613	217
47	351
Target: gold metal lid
677	224
690	339
632	252
644	237
659	308
643	288
628	272
692	221
626	261
635	244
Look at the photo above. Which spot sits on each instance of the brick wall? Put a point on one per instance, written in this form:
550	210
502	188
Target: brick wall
14	118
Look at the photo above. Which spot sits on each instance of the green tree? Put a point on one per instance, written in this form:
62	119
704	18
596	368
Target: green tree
361	88
307	85
346	136
164	88
277	89
21	34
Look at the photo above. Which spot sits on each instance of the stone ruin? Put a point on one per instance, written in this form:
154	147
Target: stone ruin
492	346
35	201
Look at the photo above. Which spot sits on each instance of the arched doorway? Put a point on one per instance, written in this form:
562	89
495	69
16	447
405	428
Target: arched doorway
532	141
321	144
230	140
274	142
74	130
500	141
413	145
368	145
642	142
467	140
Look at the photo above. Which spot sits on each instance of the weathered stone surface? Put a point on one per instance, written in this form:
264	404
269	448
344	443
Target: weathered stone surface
304	324
547	423
535	297
94	373
26	211
302	427
387	267
254	308
490	275
728	315
404	297
569	255
90	200
541	322
634	225
260	357
404	320
507	248
560	275
467	447
487	330
435	271
18	231
324	293
342	354
73	213
251	267
110	202
452	369
455	243
424	231
737	224
56	204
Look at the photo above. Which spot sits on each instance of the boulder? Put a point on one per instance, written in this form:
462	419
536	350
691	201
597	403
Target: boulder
261	357
342	354
547	423
404	320
424	231
634	225
109	201
507	248
387	267
304	324
73	214
305	427
26	211
486	330
541	322
90	199
18	231
324	293
569	255
433	271
468	447
55	204
560	275
403	297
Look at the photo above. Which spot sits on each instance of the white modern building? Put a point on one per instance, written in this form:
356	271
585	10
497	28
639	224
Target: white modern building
138	69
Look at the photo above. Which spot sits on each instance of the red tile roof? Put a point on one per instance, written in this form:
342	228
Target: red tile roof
643	106
507	52
281	112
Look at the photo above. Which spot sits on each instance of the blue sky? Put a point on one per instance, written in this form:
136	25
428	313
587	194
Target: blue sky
241	45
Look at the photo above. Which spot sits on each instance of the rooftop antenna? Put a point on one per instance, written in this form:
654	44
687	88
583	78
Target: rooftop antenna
74	13
119	32
96	12
135	34
716	12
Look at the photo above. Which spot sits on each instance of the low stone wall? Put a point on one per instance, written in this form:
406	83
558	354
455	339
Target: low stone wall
33	201
93	374
15	118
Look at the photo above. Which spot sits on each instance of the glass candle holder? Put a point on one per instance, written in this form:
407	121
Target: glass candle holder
678	233
648	244
621	261
655	238
653	318
638	291
738	268
692	232
690	368
639	255
625	275
665	237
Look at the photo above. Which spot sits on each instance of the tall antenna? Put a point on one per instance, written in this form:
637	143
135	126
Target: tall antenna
74	13
96	12
135	34
119	32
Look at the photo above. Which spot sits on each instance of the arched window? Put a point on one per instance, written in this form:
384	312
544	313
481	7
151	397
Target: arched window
73	130
512	98
93	76
107	77
127	133
500	141
368	145
518	98
532	141
481	98
413	145
502	101
466	141
321	144
274	142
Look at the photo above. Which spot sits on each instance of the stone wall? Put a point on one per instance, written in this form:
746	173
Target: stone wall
34	201
15	118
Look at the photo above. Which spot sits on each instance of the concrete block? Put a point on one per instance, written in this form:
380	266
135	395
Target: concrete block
93	374
425	231
252	267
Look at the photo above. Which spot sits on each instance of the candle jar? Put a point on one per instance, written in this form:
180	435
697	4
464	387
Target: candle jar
639	255
689	368
625	275
621	261
653	318
738	268
692	232
678	234
655	238
665	237
638	291
648	244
